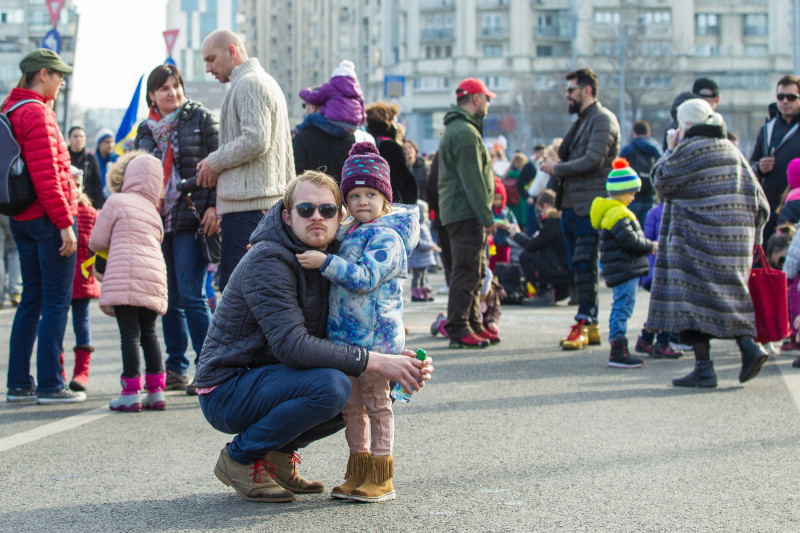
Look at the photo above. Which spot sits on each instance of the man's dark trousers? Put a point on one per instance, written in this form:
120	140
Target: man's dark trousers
468	249
236	229
582	242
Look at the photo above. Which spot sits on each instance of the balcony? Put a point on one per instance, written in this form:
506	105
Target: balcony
557	32
436	5
493	32
436	34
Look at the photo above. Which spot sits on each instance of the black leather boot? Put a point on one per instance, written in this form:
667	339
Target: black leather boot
702	376
753	358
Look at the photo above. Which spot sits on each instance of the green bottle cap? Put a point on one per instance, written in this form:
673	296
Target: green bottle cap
422	354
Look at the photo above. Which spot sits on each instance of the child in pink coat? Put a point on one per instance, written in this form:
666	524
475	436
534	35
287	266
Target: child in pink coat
135	278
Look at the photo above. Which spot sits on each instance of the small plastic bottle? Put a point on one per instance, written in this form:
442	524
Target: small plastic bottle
397	392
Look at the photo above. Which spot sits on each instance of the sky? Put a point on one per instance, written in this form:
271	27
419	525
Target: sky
117	43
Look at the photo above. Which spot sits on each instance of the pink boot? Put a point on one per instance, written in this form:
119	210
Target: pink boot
155	384
128	401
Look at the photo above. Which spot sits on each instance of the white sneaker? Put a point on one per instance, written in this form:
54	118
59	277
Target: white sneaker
62	396
443	290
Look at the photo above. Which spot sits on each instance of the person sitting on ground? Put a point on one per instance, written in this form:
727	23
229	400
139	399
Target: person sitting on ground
544	258
341	100
623	252
266	372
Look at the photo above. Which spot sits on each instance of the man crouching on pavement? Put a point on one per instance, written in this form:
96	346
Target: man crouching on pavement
266	372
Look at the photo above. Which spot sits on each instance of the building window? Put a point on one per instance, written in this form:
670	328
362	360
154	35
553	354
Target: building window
493	50
755	24
657	17
12	16
544	51
492	25
498	83
706	50
557	24
707	24
607	48
606	17
755	50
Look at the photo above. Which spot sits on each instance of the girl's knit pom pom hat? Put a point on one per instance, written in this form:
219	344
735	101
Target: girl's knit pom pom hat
366	168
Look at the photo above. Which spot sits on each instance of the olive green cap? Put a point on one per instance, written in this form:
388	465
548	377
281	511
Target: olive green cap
43	58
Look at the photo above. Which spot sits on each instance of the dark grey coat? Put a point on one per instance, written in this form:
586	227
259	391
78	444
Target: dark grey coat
586	155
274	312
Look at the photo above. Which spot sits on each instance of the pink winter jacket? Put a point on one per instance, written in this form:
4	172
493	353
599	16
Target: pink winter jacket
130	228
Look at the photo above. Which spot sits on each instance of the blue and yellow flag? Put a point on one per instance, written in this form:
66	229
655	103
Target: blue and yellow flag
127	129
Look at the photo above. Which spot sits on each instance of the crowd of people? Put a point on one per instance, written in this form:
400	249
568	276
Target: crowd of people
313	231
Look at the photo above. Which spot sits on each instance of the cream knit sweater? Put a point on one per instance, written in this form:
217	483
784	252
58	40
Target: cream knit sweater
254	159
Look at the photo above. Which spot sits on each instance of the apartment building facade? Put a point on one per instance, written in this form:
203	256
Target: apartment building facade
644	51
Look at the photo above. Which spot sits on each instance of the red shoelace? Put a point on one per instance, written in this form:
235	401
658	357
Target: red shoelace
262	465
295	459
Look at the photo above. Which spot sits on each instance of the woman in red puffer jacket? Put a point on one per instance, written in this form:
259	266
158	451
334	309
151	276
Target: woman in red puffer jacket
45	234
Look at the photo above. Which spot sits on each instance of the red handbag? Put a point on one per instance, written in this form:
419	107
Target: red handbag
770	301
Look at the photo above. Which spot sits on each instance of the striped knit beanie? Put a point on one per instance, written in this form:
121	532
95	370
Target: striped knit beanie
366	168
622	179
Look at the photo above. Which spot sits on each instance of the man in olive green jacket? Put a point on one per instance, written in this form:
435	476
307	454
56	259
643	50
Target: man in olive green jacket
466	191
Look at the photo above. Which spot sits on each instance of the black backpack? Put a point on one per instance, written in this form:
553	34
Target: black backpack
16	187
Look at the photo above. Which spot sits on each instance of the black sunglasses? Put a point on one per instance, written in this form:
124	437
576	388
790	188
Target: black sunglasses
790	97
306	210
571	88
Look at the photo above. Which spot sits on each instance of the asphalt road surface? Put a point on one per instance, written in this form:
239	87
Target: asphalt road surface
518	437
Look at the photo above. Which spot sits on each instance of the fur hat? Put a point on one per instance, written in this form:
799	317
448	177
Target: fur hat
366	168
345	68
793	173
622	179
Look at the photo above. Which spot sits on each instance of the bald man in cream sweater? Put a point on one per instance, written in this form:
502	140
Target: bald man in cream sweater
254	161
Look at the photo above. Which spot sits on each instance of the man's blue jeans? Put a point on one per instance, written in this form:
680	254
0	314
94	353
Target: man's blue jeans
43	311
275	407
622	308
236	230
187	315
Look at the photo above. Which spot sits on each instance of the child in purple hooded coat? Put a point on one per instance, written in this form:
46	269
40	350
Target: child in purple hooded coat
341	100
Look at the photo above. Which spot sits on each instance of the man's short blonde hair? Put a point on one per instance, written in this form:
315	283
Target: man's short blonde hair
314	177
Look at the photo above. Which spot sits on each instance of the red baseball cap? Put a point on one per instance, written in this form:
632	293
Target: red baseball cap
473	86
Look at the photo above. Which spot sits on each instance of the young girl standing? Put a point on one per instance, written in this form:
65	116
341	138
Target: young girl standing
366	309
135	279
83	288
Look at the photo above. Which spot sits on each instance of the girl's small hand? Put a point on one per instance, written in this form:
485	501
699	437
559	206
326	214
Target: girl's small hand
797	323
311	259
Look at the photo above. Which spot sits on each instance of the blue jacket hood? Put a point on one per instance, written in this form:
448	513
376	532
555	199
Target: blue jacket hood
647	146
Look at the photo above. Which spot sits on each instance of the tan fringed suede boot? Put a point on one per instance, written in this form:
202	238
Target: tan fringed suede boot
287	476
354	476
378	485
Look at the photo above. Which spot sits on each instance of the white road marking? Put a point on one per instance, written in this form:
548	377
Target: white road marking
791	377
52	428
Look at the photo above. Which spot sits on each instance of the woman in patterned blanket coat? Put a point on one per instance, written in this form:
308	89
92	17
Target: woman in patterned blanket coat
714	212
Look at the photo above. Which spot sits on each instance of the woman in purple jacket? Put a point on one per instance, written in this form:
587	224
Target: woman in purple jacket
341	100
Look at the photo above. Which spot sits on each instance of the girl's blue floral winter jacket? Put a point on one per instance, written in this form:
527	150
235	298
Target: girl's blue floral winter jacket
366	298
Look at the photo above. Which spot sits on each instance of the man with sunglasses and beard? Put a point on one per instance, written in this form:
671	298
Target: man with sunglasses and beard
777	144
584	162
266	372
